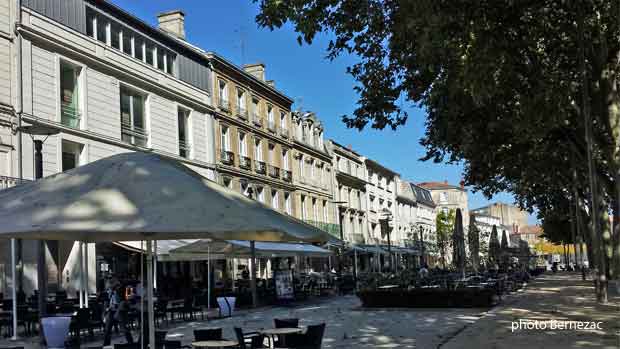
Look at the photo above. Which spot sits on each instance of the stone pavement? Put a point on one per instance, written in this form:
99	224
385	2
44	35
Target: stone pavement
550	297
559	297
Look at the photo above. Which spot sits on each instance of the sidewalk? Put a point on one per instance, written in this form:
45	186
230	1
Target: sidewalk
559	297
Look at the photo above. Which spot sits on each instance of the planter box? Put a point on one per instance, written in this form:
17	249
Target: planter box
429	298
56	330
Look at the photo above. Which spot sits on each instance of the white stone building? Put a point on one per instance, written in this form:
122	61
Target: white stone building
381	196
406	212
109	83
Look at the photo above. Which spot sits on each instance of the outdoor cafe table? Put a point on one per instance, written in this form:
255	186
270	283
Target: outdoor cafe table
272	332
222	343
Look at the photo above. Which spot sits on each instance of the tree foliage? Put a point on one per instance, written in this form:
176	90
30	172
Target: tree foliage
444	228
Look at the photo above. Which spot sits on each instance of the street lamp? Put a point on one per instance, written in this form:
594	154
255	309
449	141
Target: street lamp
39	130
341	209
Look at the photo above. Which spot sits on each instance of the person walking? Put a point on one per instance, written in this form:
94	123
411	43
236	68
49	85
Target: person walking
116	313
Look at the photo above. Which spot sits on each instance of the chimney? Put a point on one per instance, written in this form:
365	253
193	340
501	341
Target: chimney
257	70
173	22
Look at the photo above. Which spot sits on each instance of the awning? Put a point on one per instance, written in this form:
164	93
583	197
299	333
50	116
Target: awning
141	196
241	249
372	249
163	250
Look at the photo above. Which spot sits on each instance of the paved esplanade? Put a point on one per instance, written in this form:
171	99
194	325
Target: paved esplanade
552	307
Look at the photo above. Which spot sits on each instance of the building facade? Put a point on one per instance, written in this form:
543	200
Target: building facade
511	217
349	185
406	212
425	219
253	134
312	174
109	83
381	196
449	197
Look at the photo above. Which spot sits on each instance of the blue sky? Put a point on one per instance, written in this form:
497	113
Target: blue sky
303	73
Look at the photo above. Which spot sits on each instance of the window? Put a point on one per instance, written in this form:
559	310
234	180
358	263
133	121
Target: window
161	58
70	106
243	151
71	153
311	165
283	122
91	18
255	109
270	121
115	36
372	203
138	48
133	120
260	195
184	132
272	155
287	203
285	160
245	188
225	141
227	182
258	151
241	101
303	207
274	199
170	61
315	210
127	37
149	53
102	29
325	212
443	197
223	93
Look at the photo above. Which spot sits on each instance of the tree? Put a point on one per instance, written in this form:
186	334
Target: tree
500	108
444	226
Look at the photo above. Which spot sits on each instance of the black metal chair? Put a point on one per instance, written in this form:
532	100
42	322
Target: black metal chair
284	323
174	345
249	340
310	340
161	311
208	334
127	346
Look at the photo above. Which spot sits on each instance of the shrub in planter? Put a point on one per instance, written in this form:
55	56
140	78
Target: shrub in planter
428	298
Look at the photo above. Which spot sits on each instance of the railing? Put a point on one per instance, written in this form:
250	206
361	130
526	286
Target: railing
70	115
134	134
256	120
223	104
357	238
330	228
274	172
8	182
259	167
271	125
227	157
184	149
284	132
287	176
245	162
242	113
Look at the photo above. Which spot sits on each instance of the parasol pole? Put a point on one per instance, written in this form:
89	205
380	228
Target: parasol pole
149	292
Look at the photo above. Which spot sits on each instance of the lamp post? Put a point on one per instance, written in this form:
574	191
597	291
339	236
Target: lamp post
253	262
39	130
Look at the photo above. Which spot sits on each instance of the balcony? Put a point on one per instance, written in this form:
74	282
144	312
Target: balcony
259	167
287	176
184	149
284	132
8	182
245	163
330	228
223	104
256	120
70	115
227	157
357	238
274	172
242	113
271	126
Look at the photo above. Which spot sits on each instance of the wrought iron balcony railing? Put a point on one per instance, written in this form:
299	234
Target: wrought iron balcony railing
245	162
287	176
227	157
184	149
223	104
8	182
259	167
70	115
330	228
242	113
271	126
256	120
274	172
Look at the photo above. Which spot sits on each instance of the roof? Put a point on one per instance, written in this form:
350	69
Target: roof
422	195
376	165
439	185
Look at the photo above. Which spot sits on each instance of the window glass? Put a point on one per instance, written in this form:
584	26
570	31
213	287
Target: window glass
90	22
102	29
161	53
132	117
69	95
149	53
183	120
127	42
115	39
170	61
138	44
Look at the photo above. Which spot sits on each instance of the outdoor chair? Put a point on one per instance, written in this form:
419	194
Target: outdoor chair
96	317
310	340
189	309
249	340
80	322
127	346
161	311
208	334
174	345
284	323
